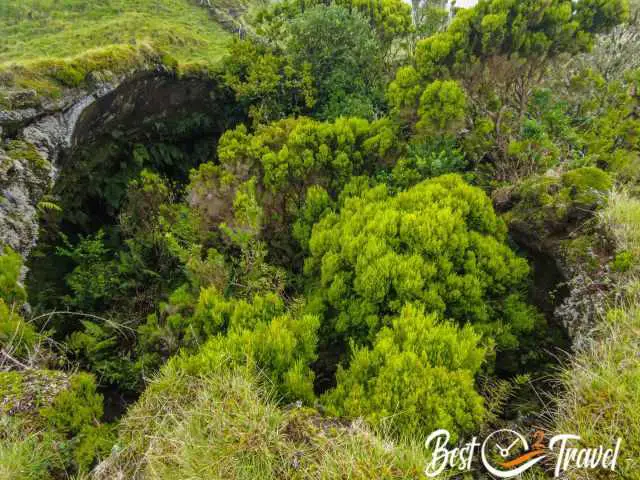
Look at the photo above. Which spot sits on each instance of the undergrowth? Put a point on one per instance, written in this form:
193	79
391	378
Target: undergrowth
602	381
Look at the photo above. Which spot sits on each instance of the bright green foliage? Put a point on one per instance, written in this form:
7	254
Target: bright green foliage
187	321
267	83
403	93
317	202
92	444
76	413
428	159
526	29
500	51
281	349
294	154
439	244
344	58
11	291
417	377
287	158
610	132
77	407
442	107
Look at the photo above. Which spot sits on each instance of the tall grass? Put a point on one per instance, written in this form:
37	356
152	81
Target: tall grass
602	382
621	219
226	425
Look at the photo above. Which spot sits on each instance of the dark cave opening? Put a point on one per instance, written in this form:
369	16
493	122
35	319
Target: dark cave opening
158	123
155	121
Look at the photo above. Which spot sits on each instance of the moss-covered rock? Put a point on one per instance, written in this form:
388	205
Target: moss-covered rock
546	207
553	215
24	393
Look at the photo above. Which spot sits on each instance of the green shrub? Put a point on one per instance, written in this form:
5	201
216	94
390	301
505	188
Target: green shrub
417	377
11	291
442	107
550	204
77	407
282	349
345	60
430	158
92	444
438	244
187	321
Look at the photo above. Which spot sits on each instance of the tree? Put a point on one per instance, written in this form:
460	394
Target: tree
439	245
287	158
344	58
500	51
417	377
390	20
429	16
266	83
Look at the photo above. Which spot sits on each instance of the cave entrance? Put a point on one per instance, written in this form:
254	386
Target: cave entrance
155	122
547	347
158	122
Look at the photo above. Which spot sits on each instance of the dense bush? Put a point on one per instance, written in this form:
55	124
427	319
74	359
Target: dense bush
280	348
345	60
17	337
417	377
438	244
288	158
500	51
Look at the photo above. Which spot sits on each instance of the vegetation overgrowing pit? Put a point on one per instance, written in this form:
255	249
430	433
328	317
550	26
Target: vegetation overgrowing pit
154	122
351	225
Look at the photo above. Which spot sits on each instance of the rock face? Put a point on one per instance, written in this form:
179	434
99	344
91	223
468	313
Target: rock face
37	140
551	218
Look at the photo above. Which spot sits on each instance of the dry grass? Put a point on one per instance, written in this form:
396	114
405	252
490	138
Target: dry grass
602	382
225	425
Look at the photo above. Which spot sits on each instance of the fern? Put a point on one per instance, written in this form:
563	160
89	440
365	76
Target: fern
48	206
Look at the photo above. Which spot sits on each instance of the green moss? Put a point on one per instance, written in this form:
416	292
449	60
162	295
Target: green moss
587	185
585	250
551	204
21	150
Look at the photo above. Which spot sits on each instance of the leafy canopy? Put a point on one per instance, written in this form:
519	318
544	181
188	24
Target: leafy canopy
439	245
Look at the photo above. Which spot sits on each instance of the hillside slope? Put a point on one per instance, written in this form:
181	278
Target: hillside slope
42	28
